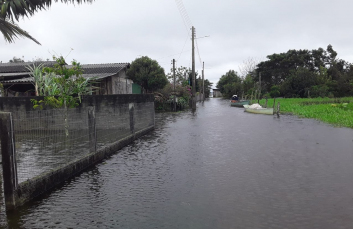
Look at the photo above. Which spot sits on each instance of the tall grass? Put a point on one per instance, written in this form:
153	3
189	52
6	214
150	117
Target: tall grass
333	111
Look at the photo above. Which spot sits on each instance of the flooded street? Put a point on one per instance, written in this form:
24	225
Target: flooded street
216	168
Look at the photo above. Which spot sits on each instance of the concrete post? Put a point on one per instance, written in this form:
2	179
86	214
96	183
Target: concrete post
92	132
8	159
193	71
132	120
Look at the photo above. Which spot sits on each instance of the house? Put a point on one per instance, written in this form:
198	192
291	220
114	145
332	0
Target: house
216	93
110	78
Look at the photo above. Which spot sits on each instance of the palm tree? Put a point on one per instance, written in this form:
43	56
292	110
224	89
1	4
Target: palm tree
12	31
11	10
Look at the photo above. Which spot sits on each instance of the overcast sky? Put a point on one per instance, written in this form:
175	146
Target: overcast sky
116	31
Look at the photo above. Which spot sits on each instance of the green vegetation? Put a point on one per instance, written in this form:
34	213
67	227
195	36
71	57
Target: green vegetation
294	74
306	74
183	89
60	86
147	73
11	10
338	112
230	84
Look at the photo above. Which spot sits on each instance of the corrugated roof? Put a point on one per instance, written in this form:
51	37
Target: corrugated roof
21	67
14	74
88	68
90	76
104	68
23	80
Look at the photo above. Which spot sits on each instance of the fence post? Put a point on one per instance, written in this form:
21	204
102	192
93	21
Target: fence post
274	105
92	130
132	121
278	108
8	152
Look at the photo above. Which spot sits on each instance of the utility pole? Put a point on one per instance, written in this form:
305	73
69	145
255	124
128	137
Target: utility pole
174	102
260	84
193	70
203	81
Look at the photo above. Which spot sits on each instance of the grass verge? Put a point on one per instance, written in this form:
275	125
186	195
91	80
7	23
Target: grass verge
338	111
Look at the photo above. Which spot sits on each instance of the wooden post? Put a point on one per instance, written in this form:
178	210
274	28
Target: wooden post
8	152
252	92
132	121
266	103
278	109
92	130
274	105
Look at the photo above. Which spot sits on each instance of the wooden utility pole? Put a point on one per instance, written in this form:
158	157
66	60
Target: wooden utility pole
174	101
203	81
193	70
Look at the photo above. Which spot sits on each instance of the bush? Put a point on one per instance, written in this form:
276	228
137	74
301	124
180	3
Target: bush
275	91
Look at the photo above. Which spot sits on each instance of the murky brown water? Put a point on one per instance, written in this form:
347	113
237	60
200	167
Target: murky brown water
217	168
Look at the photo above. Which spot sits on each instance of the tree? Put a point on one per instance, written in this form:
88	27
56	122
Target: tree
147	73
275	91
16	60
299	82
282	68
248	84
248	66
11	10
181	75
208	86
11	31
230	84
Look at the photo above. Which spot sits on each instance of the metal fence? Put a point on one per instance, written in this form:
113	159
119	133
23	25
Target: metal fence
49	139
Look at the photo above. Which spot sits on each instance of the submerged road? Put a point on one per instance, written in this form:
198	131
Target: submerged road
216	168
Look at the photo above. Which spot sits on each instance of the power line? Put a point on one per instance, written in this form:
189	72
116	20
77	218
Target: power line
183	12
175	54
184	15
183	48
198	52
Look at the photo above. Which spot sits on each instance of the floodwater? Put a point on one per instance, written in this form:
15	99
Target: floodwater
216	168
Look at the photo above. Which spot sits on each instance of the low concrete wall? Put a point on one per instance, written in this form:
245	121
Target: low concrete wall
22	108
45	182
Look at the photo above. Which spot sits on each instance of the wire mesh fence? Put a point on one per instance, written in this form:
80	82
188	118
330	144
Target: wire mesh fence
112	124
46	139
143	116
49	139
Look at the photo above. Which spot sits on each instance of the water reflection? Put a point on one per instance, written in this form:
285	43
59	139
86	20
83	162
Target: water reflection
216	168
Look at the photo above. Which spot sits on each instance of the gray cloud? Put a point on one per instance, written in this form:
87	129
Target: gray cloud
120	31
